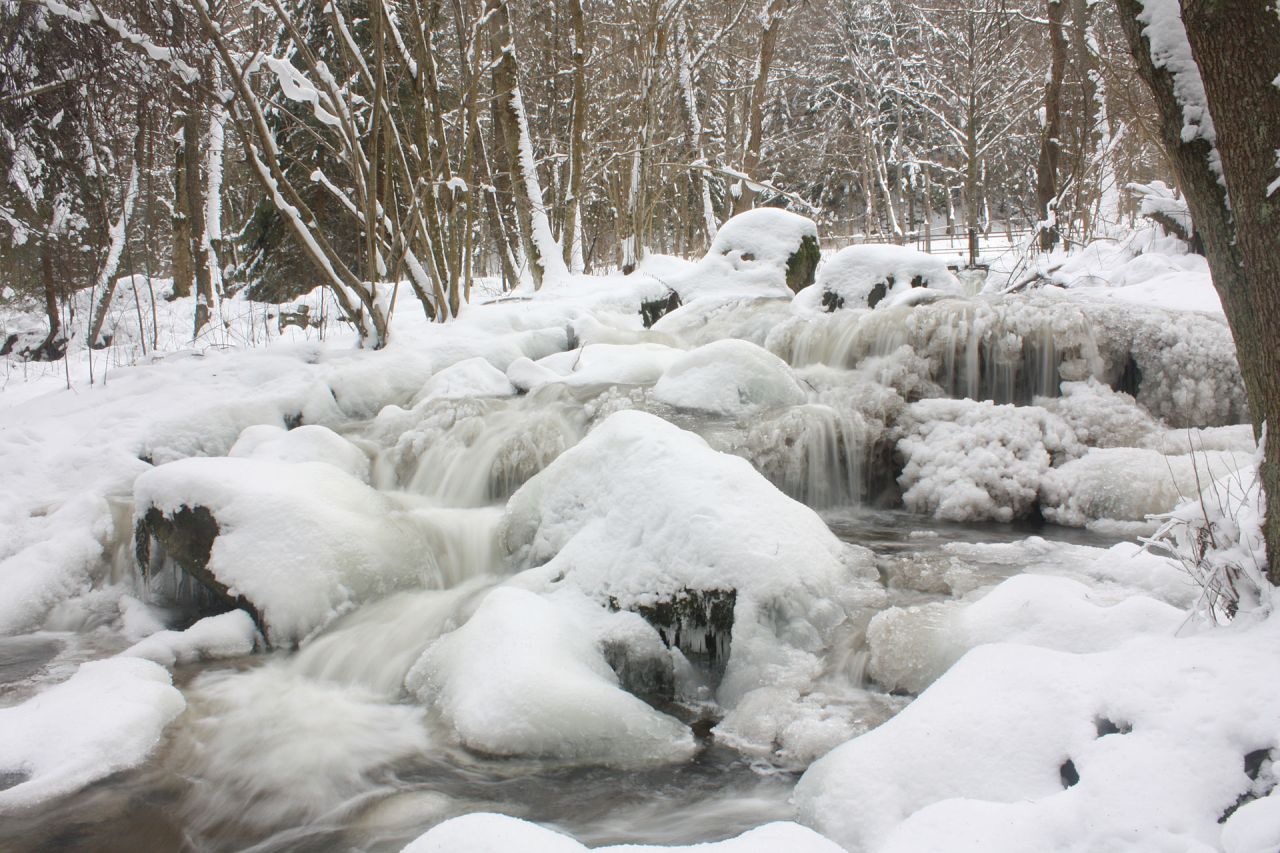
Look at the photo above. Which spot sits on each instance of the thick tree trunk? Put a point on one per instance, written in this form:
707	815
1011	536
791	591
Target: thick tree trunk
1239	75
1241	238
183	268
1051	132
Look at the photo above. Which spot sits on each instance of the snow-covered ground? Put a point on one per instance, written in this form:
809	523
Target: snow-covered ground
543	565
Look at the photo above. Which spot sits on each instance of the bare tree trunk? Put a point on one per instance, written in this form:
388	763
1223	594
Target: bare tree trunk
183	262
105	284
1051	132
771	24
535	227
572	235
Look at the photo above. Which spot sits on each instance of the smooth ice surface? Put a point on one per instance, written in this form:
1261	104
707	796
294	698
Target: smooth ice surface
106	718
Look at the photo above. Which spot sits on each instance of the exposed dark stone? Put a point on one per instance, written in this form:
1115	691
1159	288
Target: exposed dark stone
655	309
832	301
1070	776
1253	762
300	316
1108	727
877	293
699	622
187	537
293	421
12	778
7	346
918	281
1130	378
802	264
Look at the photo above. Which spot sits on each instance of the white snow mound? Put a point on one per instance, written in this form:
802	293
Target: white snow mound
521	677
106	718
855	273
730	377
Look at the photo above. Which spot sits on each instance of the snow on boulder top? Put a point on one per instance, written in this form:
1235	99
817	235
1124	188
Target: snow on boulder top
105	718
307	443
301	542
524	677
640	511
472	377
864	276
751	253
483	832
729	377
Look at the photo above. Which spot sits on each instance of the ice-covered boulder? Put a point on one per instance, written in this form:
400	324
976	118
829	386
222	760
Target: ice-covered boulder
1129	484
864	276
306	443
104	719
610	364
297	544
524	676
472	377
1101	416
765	249
973	461
496	833
641	513
730	377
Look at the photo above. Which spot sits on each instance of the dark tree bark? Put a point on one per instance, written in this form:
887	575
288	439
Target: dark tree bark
772	24
1051	133
1242	238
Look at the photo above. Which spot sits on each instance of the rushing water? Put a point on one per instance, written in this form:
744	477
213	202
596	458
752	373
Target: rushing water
321	749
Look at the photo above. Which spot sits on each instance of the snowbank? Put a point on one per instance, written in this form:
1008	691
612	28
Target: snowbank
523	677
1022	748
731	378
472	377
495	833
106	718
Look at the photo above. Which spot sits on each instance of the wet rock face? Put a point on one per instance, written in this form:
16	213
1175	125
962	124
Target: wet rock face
802	264
655	309
650	677
186	537
698	622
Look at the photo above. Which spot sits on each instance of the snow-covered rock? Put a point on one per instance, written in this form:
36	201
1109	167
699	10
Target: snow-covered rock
495	833
766	250
641	513
1019	747
307	443
106	718
472	377
731	378
300	543
863	276
524	677
1129	484
230	634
